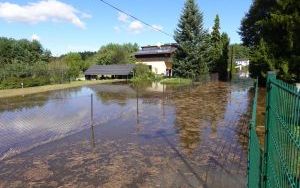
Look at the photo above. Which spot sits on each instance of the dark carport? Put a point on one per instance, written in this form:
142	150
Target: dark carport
113	71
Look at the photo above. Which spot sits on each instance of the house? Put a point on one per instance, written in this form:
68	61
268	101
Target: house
240	63
158	58
113	71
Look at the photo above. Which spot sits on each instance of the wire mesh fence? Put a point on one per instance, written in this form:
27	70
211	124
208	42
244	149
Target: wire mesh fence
254	149
280	165
282	152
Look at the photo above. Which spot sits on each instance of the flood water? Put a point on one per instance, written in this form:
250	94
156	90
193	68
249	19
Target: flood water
146	136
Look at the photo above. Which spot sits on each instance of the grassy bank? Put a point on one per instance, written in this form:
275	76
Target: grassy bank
40	89
176	81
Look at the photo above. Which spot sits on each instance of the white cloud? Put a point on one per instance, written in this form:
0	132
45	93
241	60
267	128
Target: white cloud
45	10
122	17
132	26
85	15
136	27
157	27
117	29
35	37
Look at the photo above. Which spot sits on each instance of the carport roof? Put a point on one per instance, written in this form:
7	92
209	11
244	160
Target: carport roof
120	70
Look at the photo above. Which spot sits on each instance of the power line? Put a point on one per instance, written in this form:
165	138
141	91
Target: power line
135	18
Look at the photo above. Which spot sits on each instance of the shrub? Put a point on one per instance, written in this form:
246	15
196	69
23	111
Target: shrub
143	73
14	82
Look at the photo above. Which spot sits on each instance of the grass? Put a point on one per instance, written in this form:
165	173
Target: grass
176	81
40	89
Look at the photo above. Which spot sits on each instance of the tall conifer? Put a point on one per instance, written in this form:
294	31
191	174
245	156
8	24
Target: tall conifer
189	60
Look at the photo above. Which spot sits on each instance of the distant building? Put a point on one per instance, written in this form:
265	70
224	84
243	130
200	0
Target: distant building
158	58
240	63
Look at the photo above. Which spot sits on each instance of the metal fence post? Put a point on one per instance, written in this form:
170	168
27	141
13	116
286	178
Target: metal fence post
92	111
271	76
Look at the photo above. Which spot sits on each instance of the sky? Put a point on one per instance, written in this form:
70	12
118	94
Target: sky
64	26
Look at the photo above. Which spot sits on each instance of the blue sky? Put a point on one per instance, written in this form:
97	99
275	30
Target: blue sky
77	25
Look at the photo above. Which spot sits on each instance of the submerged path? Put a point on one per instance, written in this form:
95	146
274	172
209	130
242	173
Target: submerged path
155	136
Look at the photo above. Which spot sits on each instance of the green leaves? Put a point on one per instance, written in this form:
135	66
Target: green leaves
116	54
277	23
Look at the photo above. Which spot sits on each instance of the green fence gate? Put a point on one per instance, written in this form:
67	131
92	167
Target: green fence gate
277	165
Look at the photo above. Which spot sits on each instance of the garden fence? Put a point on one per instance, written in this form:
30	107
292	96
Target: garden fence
278	164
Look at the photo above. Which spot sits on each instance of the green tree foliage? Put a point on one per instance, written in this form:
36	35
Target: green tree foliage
190	58
86	55
216	46
116	54
24	51
59	71
223	62
143	73
261	61
75	64
277	23
23	61
240	51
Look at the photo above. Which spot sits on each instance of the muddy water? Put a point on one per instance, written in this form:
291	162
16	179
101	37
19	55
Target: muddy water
150	136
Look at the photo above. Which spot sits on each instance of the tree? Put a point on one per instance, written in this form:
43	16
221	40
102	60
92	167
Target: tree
216	45
276	24
223	62
75	64
189	59
241	51
116	54
261	62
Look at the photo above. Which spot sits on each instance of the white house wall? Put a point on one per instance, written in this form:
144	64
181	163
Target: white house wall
158	67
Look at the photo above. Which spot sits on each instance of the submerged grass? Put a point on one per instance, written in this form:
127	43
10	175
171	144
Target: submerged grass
176	81
40	89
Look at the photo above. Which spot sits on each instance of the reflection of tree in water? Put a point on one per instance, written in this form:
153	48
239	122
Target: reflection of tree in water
18	103
115	98
35	100
114	93
198	109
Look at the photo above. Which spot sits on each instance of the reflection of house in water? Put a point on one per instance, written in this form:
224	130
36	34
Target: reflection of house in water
158	58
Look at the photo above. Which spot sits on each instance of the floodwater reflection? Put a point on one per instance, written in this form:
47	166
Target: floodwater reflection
151	136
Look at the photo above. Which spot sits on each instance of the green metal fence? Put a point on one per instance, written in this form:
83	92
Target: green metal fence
254	149
279	166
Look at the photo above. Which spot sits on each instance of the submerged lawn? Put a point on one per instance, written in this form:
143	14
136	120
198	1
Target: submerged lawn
176	81
40	89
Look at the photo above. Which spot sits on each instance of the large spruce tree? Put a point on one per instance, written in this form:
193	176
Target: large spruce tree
189	59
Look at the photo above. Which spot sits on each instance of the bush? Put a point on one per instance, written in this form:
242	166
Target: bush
14	82
143	73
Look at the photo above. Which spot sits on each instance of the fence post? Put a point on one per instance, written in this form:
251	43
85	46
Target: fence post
271	76
92	111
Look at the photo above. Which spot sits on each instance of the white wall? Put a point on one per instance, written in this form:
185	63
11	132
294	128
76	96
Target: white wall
158	67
